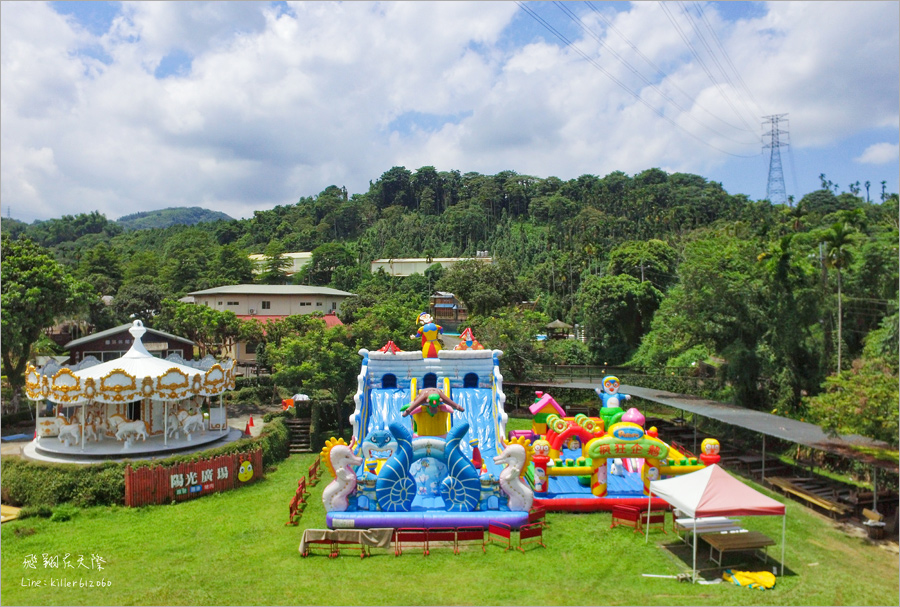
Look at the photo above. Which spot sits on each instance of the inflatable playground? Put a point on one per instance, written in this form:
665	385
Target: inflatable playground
584	464
429	447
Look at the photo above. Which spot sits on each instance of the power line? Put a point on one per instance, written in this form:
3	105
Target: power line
712	31
620	84
647	82
715	59
660	72
700	62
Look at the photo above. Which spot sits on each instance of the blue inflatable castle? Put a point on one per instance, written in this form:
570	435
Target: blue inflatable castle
427	447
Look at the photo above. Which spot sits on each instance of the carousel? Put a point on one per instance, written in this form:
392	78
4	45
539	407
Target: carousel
131	407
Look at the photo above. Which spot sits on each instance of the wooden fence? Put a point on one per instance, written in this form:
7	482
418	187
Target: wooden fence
165	484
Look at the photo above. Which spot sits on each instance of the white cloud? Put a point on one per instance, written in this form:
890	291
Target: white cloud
879	153
280	104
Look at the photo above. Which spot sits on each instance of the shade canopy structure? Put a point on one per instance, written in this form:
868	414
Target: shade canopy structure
136	375
713	492
558	324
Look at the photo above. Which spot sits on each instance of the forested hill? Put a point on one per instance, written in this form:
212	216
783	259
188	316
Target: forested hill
663	270
172	216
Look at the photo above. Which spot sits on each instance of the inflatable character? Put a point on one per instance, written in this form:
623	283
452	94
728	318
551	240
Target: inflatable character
612	401
541	458
709	449
430	410
341	461
516	456
467	341
610	394
429	332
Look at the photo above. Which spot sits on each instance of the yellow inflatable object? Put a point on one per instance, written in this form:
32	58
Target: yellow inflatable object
764	580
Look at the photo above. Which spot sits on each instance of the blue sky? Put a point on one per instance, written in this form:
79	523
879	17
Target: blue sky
239	106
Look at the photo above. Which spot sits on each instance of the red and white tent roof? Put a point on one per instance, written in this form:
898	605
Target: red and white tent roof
713	492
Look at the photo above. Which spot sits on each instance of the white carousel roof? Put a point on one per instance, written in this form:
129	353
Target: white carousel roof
137	374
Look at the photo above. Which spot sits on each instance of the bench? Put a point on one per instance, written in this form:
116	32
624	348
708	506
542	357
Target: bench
733	542
710	524
298	503
789	486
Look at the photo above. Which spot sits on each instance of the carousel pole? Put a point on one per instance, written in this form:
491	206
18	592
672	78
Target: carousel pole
222	409
165	423
83	423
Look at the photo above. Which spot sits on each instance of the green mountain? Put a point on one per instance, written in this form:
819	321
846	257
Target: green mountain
164	218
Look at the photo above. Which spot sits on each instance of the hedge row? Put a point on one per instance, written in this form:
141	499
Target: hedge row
30	483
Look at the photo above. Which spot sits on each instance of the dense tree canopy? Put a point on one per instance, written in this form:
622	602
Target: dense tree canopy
662	270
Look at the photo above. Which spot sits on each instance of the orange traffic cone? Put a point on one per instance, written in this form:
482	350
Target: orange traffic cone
250	423
247	429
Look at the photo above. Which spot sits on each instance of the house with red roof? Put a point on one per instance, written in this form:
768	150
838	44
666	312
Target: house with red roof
265	303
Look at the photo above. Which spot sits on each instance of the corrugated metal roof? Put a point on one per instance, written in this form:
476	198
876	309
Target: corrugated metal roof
272	290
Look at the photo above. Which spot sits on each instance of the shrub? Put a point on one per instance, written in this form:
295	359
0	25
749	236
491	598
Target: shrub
40	485
63	513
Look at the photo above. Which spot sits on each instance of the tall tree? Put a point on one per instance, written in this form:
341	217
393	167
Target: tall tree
276	265
35	291
838	240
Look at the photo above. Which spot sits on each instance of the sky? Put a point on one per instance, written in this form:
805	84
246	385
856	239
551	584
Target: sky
121	107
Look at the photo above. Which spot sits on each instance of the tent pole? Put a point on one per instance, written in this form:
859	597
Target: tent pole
694	539
165	423
649	498
783	526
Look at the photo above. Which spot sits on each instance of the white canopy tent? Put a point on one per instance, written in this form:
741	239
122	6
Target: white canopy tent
713	492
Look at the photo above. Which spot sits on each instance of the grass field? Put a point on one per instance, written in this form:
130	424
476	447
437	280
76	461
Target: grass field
233	548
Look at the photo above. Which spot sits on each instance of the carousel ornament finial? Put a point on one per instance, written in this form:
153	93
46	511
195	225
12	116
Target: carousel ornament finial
137	350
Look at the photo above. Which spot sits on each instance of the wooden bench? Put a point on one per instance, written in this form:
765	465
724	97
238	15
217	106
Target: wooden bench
298	503
733	542
789	486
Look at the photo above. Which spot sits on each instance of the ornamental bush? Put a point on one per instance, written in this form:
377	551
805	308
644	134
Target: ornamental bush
41	484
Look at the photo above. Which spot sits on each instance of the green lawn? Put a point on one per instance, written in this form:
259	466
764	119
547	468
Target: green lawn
233	548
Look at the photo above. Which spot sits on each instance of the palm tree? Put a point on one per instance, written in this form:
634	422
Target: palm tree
837	255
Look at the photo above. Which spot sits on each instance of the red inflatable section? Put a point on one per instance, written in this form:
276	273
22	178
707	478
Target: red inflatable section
596	504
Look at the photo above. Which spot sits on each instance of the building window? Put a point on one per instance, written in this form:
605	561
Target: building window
220	303
234	303
266	305
334	305
318	304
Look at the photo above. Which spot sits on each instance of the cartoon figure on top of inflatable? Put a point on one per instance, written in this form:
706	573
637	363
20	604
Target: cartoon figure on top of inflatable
467	341
613	400
429	332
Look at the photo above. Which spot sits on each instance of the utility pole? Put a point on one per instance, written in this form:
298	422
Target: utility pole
778	138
